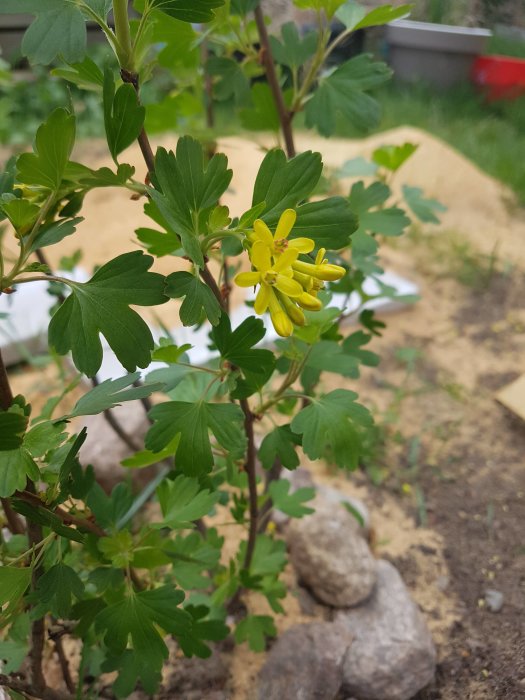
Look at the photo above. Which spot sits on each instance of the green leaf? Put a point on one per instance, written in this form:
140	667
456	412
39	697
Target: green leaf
56	590
45	517
15	468
123	114
188	187
331	423
290	503
393	157
44	437
232	81
170	354
12	428
102	305
280	444
269	556
188	10
199	300
355	16
146	458
55	232
293	51
13	584
254	629
118	548
105	177
328	356
388	221
111	393
328	6
425	209
357	167
193	421
237	346
344	92
243	7
263	114
14	649
283	184
194	558
329	222
353	345
137	616
58	30
21	212
53	145
86	74
182	501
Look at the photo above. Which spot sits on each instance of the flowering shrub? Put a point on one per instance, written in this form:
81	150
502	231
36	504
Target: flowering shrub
107	569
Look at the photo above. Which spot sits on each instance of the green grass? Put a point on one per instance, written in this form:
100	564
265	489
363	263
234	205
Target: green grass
491	135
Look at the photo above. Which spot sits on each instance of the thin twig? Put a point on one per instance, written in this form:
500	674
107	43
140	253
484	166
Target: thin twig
64	663
38	627
65	517
285	116
25	688
252	483
14	523
143	140
212	284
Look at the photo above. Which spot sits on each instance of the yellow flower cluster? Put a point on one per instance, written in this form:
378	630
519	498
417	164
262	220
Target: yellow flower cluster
286	284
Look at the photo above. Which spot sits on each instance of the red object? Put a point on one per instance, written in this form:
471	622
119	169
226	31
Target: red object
501	77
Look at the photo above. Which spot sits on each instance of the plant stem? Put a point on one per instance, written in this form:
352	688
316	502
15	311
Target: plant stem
14	523
285	116
66	517
38	627
252	483
28	689
143	140
212	284
64	664
6	395
124	45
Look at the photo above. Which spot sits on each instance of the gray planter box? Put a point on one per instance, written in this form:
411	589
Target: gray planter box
436	53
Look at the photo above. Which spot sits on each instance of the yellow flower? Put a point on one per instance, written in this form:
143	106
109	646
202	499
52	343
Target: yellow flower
278	242
272	278
287	285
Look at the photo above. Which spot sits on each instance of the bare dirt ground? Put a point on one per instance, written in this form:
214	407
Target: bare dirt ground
450	505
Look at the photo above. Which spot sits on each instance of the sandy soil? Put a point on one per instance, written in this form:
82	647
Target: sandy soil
452	458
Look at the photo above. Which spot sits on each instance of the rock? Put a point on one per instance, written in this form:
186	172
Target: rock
494	600
334	496
392	656
305	663
105	450
195	679
331	557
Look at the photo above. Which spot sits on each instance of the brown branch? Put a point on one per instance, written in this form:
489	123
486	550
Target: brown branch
252	483
273	474
14	523
64	663
212	284
38	627
25	688
6	395
64	516
285	116
143	140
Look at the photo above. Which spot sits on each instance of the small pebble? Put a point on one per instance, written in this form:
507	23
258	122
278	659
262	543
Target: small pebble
494	600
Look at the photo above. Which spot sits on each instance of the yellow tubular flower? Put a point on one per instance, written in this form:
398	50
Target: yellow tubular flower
295	314
324	271
278	242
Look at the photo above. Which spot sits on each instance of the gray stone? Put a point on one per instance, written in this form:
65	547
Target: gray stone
305	663
105	450
392	656
195	679
494	600
331	557
335	496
